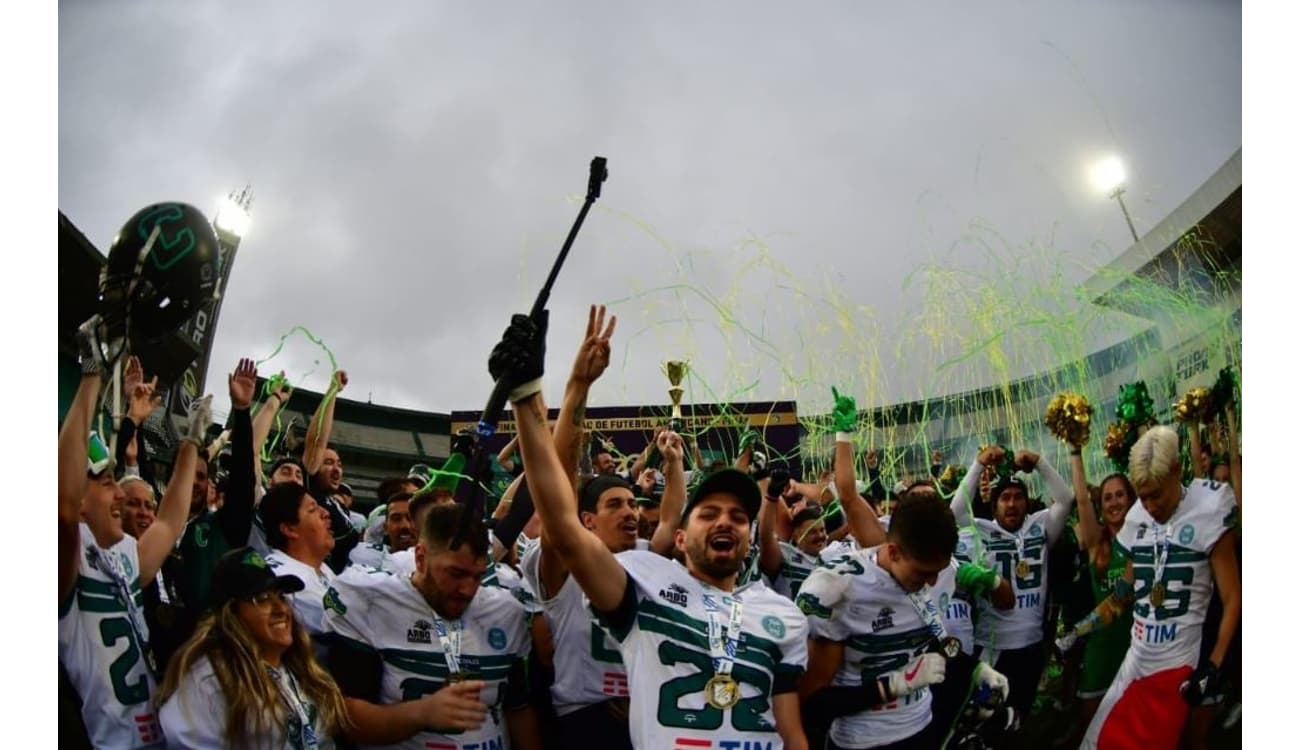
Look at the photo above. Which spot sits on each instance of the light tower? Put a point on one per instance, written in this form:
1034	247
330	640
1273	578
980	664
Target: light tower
1109	177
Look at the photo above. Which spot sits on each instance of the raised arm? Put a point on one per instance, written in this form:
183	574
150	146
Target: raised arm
141	401
321	425
505	456
264	419
173	511
1199	469
961	499
1062	495
859	516
588	365
519	358
72	470
1089	531
769	546
674	499
236	514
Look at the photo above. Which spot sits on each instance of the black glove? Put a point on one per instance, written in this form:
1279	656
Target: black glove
1204	681
520	357
777	485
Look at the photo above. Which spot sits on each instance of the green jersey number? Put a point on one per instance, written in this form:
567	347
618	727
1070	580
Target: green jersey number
599	651
112	630
746	716
1177	599
1007	561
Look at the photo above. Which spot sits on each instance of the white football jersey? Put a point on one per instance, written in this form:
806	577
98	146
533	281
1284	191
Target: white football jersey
666	650
1168	635
837	549
1010	553
386	614
103	647
859	604
588	666
954	604
954	607
371	556
307	606
795	567
194	717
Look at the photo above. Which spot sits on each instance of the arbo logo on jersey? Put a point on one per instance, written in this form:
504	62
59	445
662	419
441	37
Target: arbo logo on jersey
419	632
1157	633
674	594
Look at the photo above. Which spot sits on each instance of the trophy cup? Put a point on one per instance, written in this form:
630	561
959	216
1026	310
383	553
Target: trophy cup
676	372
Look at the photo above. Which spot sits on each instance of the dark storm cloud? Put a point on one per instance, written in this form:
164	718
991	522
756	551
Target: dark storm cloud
415	164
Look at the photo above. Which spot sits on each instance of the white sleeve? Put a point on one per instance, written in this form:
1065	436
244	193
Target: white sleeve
1063	500
966	492
194	717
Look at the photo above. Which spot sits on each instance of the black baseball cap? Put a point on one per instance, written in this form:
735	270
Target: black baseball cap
589	498
1006	483
732	482
243	574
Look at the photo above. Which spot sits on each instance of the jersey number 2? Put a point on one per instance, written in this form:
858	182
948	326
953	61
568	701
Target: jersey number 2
112	630
746	715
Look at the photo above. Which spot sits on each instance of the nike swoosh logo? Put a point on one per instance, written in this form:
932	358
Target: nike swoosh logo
907	676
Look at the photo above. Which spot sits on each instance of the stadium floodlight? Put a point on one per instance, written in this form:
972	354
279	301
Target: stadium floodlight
232	218
1108	176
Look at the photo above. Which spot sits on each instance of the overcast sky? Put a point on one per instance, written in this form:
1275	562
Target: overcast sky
798	195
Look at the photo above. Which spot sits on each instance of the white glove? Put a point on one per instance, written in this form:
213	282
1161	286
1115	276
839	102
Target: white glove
200	418
926	669
989	680
89	353
1066	642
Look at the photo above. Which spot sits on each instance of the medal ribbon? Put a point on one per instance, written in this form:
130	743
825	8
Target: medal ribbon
297	706
1163	536
107	563
723	644
927	611
449	637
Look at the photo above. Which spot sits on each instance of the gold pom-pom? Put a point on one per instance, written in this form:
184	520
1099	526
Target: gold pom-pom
1196	406
1118	442
1069	417
950	478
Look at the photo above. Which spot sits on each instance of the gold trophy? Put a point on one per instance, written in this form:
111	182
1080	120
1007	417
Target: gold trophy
676	372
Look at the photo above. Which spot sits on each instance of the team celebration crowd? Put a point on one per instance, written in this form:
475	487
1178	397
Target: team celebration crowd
653	603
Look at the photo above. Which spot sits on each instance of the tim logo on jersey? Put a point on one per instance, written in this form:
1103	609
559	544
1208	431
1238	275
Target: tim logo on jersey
1160	632
674	594
419	632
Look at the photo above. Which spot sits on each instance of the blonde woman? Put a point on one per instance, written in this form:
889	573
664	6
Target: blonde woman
247	678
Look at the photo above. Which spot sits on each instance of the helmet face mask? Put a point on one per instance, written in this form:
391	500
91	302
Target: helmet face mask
162	268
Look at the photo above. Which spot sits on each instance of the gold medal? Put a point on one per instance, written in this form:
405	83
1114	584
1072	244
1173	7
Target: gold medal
721	692
454	677
1022	569
951	647
1158	594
